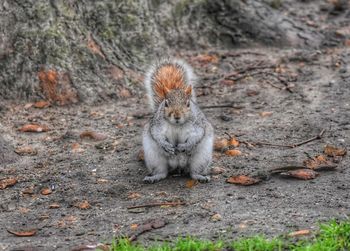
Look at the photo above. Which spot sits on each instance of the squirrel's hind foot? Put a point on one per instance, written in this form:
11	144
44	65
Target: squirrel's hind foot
154	178
200	178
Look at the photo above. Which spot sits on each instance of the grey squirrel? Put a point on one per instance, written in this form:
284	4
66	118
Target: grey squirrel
178	136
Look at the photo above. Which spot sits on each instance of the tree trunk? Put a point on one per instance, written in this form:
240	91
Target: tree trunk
68	51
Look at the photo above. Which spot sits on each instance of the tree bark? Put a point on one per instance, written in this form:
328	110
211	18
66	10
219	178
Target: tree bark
69	51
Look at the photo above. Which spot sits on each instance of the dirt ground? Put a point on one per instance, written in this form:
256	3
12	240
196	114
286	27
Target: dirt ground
313	95
280	96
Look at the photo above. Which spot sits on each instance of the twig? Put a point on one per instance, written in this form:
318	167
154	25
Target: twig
273	85
221	106
237	54
157	204
319	136
257	66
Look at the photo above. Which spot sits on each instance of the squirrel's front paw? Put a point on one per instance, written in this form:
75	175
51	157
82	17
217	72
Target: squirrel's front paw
184	148
169	149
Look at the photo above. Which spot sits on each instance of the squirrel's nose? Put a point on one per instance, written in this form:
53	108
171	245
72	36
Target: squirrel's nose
177	116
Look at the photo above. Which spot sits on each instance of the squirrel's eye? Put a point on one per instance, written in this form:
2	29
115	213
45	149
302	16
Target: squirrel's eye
166	103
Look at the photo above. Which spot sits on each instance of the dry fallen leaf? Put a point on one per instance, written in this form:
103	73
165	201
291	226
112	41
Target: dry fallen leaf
102	181
141	155
7	182
316	162
299	233
217	170
41	104
76	148
265	114
242	180
334	151
23	210
133	195
191	183
54	206
83	205
26	233
302	174
93	135
46	191
205	59
220	144
124	93
34	128
216	217
134	226
233	152
233	142
28	190
26	150
94	47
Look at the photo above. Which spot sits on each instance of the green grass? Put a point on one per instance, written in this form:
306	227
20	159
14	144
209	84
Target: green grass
332	236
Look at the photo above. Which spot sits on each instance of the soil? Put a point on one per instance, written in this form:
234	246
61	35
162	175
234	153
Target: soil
302	91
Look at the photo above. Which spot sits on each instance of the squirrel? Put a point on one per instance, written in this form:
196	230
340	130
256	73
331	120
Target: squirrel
178	136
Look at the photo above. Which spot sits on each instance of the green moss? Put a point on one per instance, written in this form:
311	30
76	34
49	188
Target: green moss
107	33
66	10
42	11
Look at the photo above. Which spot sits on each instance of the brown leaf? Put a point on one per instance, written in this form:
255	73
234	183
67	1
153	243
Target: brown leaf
233	142
191	183
302	174
317	162
299	233
141	155
26	150
233	152
133	195
217	170
102	181
83	205
216	217
334	151
24	210
93	135
26	233
205	59
242	180
76	148
34	128
116	72
54	206
134	226
7	182
265	114
41	104
343	32
28	190
46	191
94	47
124	93
220	144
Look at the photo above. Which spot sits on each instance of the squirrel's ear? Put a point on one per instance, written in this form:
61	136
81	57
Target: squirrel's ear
188	90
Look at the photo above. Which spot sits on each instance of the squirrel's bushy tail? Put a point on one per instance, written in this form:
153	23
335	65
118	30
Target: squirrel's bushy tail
166	75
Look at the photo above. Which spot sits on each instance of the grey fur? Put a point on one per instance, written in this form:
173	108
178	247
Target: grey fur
187	146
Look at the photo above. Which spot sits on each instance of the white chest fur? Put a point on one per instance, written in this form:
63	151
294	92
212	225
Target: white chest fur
177	134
